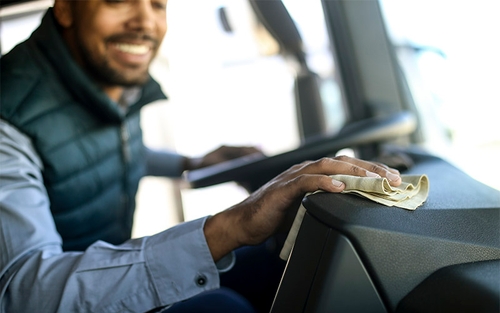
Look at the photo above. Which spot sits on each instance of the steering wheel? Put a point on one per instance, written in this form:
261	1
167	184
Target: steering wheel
255	171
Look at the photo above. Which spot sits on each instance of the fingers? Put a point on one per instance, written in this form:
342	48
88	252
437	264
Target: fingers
237	151
242	151
379	169
312	182
350	166
222	154
225	153
393	170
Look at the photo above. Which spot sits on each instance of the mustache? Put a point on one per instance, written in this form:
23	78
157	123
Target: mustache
133	37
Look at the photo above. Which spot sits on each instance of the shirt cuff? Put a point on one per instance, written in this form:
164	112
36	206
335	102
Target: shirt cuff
180	262
226	263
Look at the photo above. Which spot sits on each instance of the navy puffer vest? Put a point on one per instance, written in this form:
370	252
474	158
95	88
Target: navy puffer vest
91	150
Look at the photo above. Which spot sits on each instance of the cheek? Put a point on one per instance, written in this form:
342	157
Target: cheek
104	23
160	23
162	28
97	36
90	28
92	47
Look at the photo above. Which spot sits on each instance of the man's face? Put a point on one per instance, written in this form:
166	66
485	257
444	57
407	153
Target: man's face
116	40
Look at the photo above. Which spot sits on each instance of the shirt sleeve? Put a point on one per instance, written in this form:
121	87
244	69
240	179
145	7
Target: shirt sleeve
137	276
164	163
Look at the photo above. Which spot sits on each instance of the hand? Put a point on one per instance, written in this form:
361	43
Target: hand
221	154
260	215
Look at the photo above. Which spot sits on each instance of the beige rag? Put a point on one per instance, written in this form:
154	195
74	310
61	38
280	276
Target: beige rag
412	192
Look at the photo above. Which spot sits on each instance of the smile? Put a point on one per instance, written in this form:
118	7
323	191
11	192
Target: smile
133	48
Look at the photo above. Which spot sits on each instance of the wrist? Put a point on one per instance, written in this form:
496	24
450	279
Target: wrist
221	234
190	164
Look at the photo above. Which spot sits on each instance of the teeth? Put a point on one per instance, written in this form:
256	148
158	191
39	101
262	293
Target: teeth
132	49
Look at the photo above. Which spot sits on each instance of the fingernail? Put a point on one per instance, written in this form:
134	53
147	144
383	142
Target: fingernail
392	177
371	174
337	183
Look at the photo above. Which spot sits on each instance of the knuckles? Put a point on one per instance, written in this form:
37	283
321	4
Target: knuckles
321	163
375	168
342	158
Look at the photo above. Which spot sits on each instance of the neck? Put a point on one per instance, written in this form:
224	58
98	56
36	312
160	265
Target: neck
114	93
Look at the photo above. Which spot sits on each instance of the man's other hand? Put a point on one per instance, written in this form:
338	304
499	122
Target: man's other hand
221	154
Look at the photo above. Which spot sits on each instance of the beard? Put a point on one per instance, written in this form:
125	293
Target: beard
106	75
100	68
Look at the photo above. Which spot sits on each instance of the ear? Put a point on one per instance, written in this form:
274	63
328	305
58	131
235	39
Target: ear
63	13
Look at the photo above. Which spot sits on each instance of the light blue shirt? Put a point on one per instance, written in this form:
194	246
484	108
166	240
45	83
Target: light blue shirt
37	276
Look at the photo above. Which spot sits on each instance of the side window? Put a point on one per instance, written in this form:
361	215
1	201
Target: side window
310	21
17	22
449	55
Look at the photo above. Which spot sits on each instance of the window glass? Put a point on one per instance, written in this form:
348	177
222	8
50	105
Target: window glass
18	21
449	53
310	21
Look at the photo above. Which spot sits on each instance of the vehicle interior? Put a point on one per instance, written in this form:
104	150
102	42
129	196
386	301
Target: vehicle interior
323	78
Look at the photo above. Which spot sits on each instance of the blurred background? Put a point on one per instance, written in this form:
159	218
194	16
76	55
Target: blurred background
228	84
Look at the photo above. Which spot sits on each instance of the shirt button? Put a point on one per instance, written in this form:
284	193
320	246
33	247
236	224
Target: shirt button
201	280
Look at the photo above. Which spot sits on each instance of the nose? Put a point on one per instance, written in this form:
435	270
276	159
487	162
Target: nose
143	16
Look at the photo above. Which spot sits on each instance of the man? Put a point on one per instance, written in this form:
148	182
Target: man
71	157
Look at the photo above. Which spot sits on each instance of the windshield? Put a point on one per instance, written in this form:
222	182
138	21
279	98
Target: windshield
449	53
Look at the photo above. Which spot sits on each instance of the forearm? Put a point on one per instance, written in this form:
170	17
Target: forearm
165	163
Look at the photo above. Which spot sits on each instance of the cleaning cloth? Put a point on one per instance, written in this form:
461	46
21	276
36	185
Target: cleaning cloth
412	192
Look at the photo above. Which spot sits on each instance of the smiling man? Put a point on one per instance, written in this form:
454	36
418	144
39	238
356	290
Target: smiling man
114	41
71	157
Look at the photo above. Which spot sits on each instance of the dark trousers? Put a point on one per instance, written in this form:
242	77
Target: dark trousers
223	300
249	286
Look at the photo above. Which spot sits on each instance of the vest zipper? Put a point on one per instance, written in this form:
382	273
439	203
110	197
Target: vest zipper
124	137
